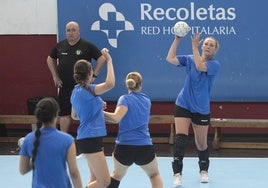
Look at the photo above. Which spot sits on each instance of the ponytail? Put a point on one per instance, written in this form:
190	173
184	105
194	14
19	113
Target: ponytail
46	111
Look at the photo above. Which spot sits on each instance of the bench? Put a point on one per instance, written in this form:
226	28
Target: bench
31	119
219	142
218	124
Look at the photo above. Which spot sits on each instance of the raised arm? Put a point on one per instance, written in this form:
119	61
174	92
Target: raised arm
99	64
109	82
171	56
198	60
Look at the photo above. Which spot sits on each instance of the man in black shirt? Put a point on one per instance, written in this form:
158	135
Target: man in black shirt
61	61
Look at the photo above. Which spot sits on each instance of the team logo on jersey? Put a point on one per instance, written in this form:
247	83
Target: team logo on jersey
112	23
78	52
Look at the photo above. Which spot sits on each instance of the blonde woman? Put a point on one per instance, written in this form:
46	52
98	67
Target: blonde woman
133	142
192	106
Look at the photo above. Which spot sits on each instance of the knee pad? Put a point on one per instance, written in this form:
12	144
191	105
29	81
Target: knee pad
114	183
180	143
203	155
203	159
177	166
203	165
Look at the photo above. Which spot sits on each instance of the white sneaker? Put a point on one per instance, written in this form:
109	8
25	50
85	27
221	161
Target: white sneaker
177	181
204	176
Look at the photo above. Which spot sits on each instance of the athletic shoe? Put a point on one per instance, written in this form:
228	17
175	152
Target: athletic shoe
204	176
177	181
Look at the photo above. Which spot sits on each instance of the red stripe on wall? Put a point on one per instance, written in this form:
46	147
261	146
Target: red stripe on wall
23	70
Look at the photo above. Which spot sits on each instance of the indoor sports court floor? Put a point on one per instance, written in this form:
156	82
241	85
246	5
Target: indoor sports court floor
230	168
224	173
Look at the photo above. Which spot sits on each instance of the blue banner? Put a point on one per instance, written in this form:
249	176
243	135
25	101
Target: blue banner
139	34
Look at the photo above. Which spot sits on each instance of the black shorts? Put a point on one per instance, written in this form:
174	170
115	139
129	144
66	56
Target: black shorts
140	155
196	118
64	101
90	145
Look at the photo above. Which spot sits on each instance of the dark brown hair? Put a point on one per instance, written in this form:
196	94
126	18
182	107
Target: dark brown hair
46	111
82	71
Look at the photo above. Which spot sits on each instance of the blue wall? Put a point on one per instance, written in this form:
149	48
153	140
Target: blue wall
146	34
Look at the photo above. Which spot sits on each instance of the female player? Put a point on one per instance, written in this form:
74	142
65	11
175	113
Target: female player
47	150
133	142
192	105
87	106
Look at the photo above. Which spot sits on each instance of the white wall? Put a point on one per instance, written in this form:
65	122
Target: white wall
28	17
